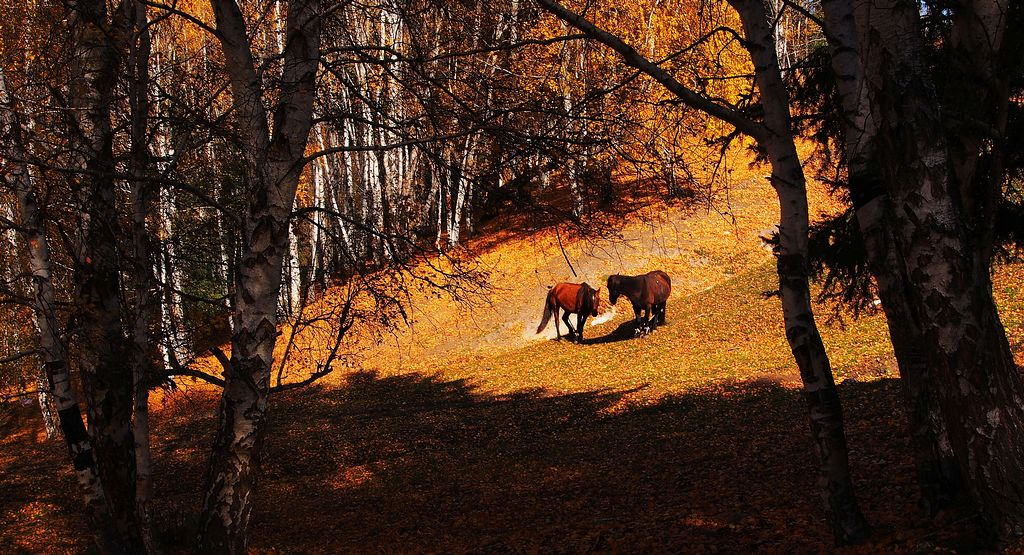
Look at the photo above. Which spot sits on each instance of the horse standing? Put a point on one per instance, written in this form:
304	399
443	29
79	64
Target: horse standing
648	294
573	298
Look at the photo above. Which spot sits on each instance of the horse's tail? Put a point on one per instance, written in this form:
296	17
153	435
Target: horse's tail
547	316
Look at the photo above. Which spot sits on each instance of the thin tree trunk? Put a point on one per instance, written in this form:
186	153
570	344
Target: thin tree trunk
45	399
15	153
146	329
52	349
826	413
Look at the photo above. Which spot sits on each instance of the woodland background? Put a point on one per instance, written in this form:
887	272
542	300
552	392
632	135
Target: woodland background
243	199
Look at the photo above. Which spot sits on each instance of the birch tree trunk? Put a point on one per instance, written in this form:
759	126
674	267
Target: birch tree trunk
20	177
52	350
936	467
105	351
826	413
146	329
274	158
979	386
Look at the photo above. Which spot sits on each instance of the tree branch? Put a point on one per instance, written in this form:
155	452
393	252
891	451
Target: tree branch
178	370
635	59
18	356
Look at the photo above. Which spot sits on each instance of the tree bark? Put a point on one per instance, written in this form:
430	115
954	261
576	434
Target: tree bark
981	67
52	350
146	329
14	154
937	473
979	386
274	162
105	352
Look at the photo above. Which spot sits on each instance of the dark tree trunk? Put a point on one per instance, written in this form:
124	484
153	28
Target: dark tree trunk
979	386
105	351
937	473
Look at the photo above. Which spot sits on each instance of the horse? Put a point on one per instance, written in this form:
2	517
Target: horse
576	298
647	293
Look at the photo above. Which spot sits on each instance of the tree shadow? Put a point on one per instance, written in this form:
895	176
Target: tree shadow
422	463
393	463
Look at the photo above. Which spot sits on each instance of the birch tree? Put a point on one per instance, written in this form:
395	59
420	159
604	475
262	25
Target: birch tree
774	135
52	348
146	336
273	155
906	171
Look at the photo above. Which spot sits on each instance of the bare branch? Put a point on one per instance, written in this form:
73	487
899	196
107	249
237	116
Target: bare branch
18	356
635	59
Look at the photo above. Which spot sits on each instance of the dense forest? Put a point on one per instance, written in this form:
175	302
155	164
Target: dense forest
188	181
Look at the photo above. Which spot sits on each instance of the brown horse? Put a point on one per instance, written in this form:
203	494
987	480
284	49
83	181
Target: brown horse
647	293
576	298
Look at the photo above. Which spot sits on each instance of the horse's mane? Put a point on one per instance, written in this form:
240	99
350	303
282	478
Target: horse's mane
583	297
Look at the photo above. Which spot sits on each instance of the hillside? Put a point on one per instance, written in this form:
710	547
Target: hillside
468	432
700	246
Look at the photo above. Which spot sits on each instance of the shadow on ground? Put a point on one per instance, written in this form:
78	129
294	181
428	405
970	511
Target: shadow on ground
623	332
420	463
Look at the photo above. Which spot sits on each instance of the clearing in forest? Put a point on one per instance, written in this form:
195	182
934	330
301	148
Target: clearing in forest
468	432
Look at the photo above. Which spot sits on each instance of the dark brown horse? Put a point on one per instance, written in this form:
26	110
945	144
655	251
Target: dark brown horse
573	298
647	293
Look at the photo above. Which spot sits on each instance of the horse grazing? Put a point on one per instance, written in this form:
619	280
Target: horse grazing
573	298
647	293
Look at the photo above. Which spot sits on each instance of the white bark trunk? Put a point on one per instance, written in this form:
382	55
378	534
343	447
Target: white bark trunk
53	351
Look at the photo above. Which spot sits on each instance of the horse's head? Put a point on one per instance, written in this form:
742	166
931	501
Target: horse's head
596	299
613	290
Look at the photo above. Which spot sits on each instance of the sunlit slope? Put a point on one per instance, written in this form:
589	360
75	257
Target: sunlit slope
724	332
699	246
721	324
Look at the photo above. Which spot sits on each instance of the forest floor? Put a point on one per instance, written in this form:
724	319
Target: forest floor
470	433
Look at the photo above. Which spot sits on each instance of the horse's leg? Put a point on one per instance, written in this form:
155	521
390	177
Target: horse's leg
648	318
637	317
661	313
565	318
581	320
558	331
